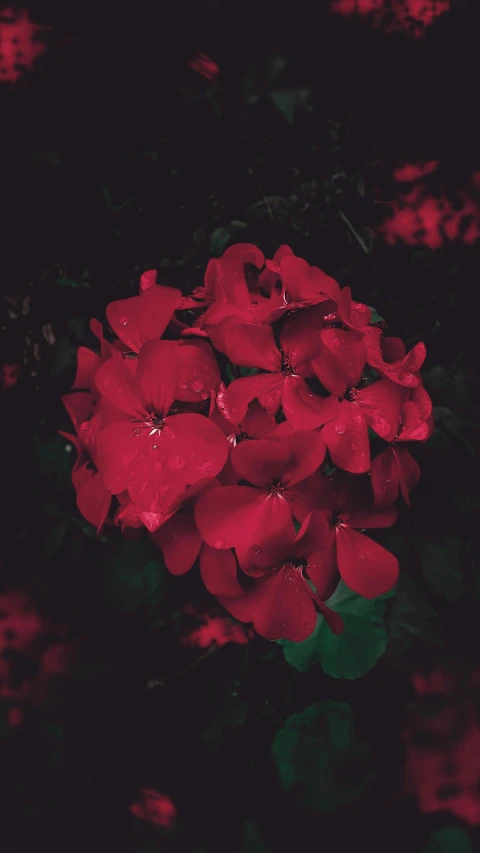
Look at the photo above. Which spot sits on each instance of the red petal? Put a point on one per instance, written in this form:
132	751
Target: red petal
87	364
93	501
198	371
323	570
304	409
414	427
306	450
241	392
180	542
333	620
422	399
408	472
385	478
299	338
339	360
253	345
278	605
230	284
224	515
145	317
117	385
347	439
260	462
157	375
79	407
380	403
197	448
257	423
148	279
118	444
219	571
393	349
366	567
248	253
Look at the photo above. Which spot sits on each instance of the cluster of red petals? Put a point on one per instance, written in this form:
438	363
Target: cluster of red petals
412	17
418	217
212	630
235	425
19	45
443	745
31	653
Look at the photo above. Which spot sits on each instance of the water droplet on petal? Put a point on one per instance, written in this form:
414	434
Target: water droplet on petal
123	321
106	382
197	387
336	342
219	543
340	429
184	386
407	379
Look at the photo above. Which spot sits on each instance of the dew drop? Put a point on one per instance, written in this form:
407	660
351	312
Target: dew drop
124	321
407	379
197	387
336	342
106	382
340	429
219	543
184	386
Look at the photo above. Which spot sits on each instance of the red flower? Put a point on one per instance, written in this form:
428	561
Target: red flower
389	358
262	511
395	469
147	451
280	602
346	435
205	66
345	508
284	384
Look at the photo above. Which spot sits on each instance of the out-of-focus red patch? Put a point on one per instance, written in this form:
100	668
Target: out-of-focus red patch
9	374
15	717
214	629
19	44
204	65
155	807
420	218
443	745
30	654
412	17
413	171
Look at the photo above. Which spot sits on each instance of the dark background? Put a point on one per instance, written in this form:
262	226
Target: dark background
116	156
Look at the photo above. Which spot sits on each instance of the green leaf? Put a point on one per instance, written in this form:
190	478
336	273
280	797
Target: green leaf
289	100
319	759
442	567
375	318
356	650
448	839
222	236
249	371
131	581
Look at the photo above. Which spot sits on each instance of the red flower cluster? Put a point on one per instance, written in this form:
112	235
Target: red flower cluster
443	744
236	425
412	17
418	217
19	46
31	653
